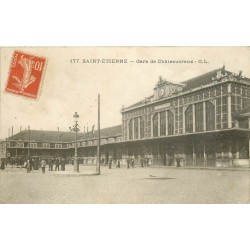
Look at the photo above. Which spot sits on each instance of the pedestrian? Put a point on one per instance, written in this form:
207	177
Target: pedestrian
50	164
118	164
3	163
31	164
57	164
142	161
60	163
178	160
63	164
43	165
110	163
132	163
128	163
28	166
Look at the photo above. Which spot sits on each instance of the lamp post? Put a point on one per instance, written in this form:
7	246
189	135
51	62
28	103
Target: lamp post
75	129
29	141
16	147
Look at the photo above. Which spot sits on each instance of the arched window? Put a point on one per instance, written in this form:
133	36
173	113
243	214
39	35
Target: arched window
130	129
189	119
210	116
162	123
170	122
155	125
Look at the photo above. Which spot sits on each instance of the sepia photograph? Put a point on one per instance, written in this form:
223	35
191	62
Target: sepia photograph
125	125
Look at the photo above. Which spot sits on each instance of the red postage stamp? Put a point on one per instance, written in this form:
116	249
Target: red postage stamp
25	76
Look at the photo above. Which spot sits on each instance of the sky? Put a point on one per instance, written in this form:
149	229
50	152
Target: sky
69	87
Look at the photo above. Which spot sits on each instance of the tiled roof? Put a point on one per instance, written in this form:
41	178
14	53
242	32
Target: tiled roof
105	132
203	79
196	82
59	136
139	103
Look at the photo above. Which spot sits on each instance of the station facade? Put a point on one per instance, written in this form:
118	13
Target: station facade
204	121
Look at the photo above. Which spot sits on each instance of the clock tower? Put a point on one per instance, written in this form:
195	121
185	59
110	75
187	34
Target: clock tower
165	88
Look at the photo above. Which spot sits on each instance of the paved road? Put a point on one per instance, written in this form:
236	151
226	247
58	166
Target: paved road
138	185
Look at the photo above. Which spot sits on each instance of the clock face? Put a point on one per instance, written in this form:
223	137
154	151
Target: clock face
161	92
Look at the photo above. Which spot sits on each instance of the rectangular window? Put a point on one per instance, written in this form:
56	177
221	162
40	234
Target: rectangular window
224	112
176	115
141	127
189	119
218	113
103	141
58	146
20	145
46	145
162	123
199	117
170	122
136	127
130	129
33	145
180	120
210	116
155	125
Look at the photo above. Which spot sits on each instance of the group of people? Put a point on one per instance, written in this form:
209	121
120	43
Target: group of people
130	162
34	163
54	164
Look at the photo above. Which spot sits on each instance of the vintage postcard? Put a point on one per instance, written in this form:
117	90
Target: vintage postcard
125	125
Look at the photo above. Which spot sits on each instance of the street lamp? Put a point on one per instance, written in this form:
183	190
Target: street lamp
75	128
29	141
16	147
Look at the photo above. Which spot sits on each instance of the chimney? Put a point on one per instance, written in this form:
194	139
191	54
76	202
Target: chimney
12	131
58	129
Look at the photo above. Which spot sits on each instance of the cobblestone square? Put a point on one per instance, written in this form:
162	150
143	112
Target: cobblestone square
151	185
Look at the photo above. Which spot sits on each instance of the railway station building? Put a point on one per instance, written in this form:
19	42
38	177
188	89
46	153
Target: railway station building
204	121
